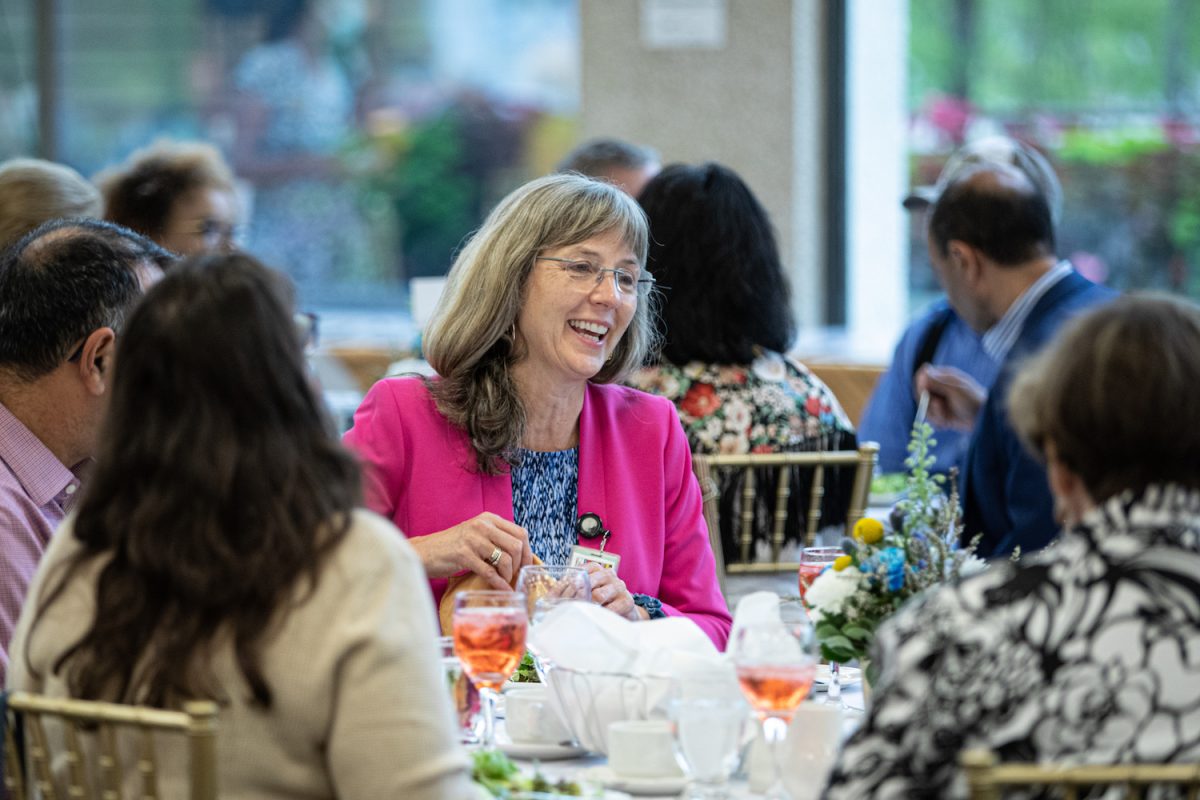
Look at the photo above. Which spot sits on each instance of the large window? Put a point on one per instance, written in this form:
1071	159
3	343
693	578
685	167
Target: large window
370	135
1110	91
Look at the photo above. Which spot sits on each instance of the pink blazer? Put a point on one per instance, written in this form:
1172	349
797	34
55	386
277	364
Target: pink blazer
635	471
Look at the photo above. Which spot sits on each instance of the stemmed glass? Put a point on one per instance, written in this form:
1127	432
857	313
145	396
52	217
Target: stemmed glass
813	561
776	662
708	715
545	588
489	638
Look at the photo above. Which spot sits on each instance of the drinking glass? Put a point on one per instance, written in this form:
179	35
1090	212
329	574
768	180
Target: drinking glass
463	694
547	587
489	638
708	715
776	662
813	561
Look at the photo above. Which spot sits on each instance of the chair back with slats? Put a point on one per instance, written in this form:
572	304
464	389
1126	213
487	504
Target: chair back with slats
83	720
706	468
988	779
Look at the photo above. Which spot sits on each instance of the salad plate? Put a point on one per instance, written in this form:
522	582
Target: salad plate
669	785
530	751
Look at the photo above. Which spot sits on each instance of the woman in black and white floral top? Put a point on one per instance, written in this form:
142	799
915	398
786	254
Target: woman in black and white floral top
728	321
1089	651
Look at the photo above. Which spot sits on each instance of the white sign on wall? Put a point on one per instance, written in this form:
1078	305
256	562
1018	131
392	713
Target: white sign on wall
678	24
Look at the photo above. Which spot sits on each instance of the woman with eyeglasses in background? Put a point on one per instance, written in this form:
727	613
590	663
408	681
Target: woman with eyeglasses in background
180	194
220	553
525	433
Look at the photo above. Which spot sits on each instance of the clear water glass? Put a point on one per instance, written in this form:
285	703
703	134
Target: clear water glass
545	588
464	697
708	723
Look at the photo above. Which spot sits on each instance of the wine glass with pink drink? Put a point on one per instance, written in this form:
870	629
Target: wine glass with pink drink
489	638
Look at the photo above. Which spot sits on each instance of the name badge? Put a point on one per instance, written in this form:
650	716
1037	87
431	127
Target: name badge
582	556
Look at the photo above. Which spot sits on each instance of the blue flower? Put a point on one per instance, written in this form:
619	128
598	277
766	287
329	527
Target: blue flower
891	559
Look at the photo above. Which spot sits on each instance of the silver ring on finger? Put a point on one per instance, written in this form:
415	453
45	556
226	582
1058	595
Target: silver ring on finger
494	558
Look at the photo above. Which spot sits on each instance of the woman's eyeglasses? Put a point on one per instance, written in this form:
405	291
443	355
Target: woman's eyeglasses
587	275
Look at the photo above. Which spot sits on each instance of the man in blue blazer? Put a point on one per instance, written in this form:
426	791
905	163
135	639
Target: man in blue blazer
991	240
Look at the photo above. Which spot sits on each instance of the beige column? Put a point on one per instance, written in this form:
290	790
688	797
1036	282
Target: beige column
747	94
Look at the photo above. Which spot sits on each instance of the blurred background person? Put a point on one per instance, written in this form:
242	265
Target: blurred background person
546	308
220	553
993	247
180	194
939	336
1082	653
628	166
728	324
295	114
33	191
66	289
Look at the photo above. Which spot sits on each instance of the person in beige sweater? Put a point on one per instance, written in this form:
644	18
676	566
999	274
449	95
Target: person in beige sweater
219	554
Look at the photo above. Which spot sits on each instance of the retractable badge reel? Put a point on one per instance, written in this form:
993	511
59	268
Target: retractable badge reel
590	527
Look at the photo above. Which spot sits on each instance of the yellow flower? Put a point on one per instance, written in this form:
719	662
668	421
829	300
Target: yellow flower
868	530
841	562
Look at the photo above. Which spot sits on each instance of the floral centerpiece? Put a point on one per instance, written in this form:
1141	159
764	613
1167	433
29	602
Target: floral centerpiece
885	564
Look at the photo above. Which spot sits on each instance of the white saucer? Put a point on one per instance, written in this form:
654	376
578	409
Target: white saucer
649	786
536	751
849	676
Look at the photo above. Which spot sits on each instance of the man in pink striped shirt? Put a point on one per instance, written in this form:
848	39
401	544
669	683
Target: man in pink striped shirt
65	289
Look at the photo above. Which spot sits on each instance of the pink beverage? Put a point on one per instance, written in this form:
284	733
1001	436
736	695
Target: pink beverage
775	690
808	573
489	642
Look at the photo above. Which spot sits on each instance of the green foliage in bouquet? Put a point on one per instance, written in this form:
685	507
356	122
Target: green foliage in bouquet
887	563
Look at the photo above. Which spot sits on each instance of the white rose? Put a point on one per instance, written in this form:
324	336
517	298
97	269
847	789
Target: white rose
831	589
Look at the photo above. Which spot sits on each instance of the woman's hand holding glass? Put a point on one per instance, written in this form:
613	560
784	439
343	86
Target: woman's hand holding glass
610	592
487	545
546	587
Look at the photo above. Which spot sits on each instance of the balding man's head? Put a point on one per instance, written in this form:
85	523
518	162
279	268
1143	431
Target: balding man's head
63	281
997	210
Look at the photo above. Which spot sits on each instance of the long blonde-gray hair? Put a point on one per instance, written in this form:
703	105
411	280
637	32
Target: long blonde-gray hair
470	340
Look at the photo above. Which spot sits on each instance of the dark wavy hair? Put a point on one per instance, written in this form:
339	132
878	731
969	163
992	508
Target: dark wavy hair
62	281
711	243
219	485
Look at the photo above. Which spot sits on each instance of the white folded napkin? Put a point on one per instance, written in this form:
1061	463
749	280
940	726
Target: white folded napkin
587	638
606	668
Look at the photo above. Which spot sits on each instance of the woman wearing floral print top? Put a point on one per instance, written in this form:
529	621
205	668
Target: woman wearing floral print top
727	320
1088	651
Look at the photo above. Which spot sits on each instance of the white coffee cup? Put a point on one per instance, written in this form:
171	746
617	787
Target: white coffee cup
530	718
642	749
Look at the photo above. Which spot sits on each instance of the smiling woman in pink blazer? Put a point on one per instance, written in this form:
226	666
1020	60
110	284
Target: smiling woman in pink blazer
522	433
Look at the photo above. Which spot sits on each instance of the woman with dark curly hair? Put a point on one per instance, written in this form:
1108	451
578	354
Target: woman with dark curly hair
728	324
220	553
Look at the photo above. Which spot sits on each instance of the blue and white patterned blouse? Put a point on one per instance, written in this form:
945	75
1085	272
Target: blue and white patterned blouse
545	495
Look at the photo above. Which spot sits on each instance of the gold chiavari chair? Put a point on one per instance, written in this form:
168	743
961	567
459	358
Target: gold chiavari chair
81	720
988	779
706	467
